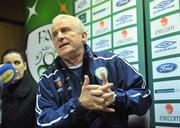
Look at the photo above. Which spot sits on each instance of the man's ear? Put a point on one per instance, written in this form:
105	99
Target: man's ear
84	37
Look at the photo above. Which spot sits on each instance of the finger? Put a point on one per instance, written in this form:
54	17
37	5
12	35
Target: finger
98	107
96	92
106	86
109	110
104	78
108	95
98	100
93	87
86	80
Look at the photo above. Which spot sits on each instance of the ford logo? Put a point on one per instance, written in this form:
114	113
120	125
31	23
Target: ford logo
166	67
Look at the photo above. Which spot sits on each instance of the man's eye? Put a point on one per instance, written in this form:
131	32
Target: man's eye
65	30
54	34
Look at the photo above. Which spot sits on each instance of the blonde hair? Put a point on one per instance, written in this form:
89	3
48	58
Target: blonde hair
78	22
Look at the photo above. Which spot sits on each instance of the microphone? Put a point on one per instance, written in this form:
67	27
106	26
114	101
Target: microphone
7	74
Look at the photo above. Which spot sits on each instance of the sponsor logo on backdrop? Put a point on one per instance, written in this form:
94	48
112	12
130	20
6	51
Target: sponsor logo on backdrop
161	7
165	25
164	29
102	27
166	67
101	11
102	43
124	33
125	36
82	4
125	18
169	110
167	113
167	90
82	17
128	53
122	2
166	46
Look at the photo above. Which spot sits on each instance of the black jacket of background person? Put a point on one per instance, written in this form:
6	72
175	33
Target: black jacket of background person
18	104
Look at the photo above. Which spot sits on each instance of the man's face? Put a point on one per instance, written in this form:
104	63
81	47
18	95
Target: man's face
16	60
67	37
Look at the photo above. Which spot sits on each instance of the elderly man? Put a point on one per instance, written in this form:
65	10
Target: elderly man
86	89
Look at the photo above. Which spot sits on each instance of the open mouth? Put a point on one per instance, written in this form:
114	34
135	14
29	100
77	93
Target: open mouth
63	44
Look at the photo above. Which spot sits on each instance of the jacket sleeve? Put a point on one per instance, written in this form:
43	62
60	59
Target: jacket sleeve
49	111
132	95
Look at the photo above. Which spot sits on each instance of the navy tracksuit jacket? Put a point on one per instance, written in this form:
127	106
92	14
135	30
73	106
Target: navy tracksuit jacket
57	102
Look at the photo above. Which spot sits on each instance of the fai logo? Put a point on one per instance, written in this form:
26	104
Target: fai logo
99	71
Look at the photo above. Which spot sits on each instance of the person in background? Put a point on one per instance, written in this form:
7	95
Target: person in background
18	99
85	89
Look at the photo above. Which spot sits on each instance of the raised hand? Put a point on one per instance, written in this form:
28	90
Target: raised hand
97	97
90	97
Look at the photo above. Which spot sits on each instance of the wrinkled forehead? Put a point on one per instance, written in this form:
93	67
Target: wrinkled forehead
61	23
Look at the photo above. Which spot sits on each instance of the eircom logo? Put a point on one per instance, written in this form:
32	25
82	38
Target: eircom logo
170	116
169	108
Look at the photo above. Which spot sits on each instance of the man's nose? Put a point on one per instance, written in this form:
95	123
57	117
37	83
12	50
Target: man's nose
60	34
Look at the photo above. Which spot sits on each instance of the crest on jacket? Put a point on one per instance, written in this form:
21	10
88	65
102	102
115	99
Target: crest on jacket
99	71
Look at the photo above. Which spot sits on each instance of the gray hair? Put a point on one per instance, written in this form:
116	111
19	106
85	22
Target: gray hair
79	23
